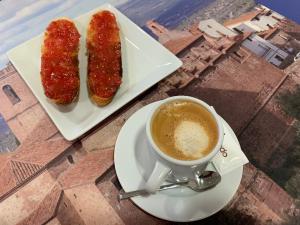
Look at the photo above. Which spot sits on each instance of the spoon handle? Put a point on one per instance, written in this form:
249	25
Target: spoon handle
125	195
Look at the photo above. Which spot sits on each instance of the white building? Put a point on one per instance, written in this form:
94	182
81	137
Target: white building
215	29
265	49
260	20
254	43
265	22
270	12
243	27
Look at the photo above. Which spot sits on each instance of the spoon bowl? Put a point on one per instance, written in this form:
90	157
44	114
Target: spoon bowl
205	181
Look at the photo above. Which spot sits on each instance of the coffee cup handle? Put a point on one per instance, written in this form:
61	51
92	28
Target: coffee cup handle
157	177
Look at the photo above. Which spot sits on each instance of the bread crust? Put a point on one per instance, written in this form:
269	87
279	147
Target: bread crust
97	99
101	101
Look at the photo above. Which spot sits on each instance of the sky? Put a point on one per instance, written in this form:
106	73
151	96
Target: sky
288	8
4	129
21	20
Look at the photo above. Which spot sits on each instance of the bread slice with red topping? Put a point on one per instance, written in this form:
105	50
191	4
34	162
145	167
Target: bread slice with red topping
104	57
59	61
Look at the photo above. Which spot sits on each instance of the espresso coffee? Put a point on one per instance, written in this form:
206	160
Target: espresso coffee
184	130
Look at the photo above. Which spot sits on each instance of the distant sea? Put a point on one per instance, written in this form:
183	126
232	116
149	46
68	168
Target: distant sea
181	11
168	13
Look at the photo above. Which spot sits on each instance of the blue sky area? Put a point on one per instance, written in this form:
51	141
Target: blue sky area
21	20
288	8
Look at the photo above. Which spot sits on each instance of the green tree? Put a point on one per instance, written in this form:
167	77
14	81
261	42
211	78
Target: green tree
290	102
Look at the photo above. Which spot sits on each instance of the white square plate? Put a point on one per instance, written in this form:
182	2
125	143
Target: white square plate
144	61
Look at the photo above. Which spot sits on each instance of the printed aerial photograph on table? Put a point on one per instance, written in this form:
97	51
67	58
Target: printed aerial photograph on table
239	56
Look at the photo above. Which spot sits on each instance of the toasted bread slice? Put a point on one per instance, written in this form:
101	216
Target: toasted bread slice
104	58
59	61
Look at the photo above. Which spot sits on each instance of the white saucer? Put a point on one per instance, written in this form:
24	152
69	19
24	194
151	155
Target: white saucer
134	160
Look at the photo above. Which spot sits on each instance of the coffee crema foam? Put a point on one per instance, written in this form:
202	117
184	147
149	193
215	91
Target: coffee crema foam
191	139
184	130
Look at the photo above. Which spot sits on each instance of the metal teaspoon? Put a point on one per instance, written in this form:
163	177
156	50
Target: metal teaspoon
209	180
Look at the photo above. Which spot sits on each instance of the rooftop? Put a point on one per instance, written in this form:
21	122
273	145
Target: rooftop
214	29
243	18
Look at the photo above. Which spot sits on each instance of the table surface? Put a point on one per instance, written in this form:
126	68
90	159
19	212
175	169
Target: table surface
45	179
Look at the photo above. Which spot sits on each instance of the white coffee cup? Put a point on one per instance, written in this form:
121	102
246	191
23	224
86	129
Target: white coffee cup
164	163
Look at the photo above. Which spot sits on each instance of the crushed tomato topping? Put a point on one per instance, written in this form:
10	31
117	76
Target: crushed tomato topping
104	67
59	62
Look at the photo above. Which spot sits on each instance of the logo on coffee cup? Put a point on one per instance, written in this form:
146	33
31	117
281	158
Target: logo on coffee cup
223	152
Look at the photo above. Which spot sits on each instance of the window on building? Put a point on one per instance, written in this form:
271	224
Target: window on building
11	94
207	59
279	58
238	30
236	53
221	48
269	13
